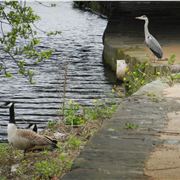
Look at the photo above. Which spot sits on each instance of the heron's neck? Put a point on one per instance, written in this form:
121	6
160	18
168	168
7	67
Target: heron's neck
146	31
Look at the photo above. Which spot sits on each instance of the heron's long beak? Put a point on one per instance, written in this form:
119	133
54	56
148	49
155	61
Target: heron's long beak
139	18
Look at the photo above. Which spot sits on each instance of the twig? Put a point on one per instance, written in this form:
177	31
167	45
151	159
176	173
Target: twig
39	28
3	22
64	87
42	4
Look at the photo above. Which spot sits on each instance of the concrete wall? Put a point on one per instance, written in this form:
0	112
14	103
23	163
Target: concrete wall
124	35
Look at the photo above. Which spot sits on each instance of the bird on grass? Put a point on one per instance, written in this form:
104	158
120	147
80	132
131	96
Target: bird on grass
26	139
151	41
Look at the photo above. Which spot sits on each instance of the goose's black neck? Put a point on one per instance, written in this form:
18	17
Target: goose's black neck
12	114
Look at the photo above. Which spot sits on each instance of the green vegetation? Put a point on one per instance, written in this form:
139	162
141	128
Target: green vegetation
143	73
47	169
52	124
172	59
71	116
131	126
175	77
153	97
137	77
54	164
74	114
19	38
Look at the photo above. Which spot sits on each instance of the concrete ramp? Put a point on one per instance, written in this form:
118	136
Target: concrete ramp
131	144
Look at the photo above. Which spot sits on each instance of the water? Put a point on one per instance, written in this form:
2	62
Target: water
80	44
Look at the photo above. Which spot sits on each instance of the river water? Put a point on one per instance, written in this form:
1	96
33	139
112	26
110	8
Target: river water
80	44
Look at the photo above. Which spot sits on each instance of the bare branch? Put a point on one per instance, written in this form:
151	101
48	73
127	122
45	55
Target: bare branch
3	22
42	4
39	29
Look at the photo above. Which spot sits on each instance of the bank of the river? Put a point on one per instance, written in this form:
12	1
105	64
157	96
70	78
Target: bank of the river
139	142
71	140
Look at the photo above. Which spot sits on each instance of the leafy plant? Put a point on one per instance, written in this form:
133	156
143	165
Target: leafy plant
175	77
137	77
74	114
19	41
172	59
74	142
71	115
47	169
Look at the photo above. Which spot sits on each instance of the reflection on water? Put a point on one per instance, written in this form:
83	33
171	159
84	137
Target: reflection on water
81	45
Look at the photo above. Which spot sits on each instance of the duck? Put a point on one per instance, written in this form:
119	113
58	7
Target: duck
26	139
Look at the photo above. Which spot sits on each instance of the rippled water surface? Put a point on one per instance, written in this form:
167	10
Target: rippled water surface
80	44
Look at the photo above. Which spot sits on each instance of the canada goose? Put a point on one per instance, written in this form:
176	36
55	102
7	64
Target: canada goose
33	127
26	139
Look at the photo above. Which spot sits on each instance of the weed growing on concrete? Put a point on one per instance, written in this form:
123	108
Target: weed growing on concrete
137	77
172	59
75	114
175	77
131	126
153	97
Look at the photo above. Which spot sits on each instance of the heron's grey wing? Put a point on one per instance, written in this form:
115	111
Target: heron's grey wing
154	45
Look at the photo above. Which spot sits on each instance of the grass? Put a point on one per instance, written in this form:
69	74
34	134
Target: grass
131	126
54	164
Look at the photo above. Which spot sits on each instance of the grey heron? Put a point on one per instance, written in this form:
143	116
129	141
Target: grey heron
151	41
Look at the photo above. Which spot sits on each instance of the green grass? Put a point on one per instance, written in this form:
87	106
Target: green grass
75	114
54	164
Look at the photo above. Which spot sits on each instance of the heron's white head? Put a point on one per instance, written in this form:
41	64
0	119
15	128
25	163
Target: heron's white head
143	17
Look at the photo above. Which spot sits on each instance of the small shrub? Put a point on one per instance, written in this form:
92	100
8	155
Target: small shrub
47	169
137	77
74	142
66	161
71	114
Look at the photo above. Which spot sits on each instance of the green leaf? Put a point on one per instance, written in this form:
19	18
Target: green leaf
8	75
